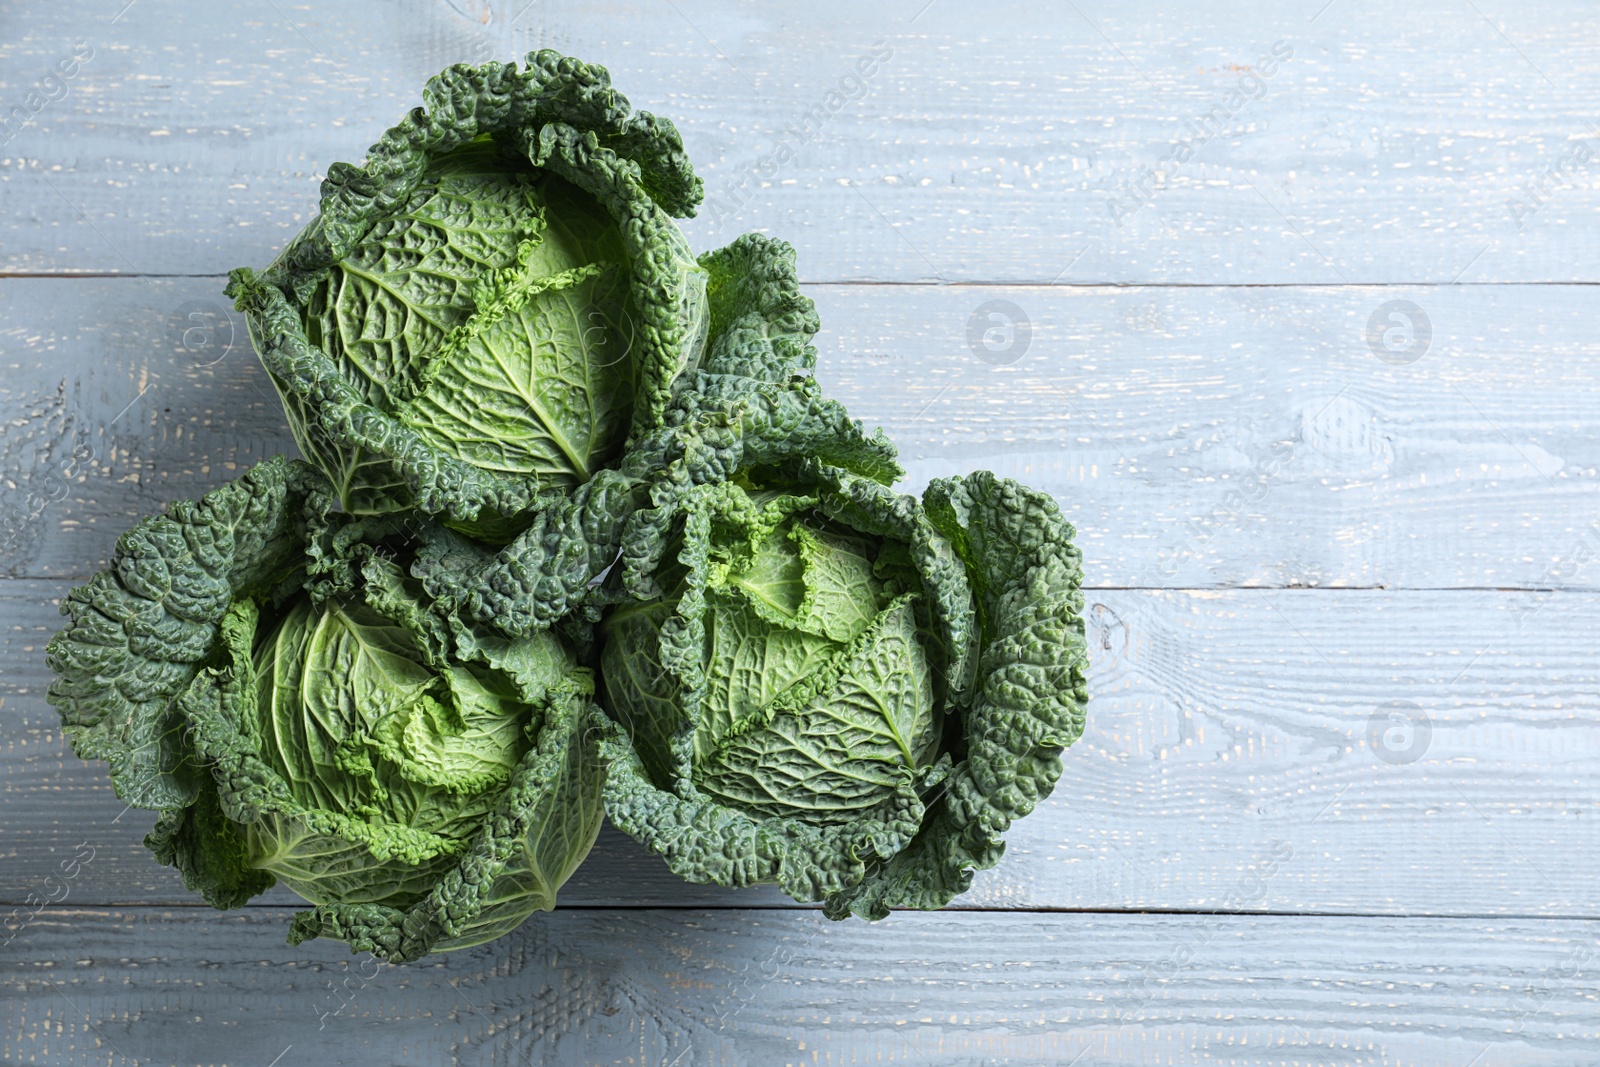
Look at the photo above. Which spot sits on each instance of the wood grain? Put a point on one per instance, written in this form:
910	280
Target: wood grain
1288	536
1222	726
1197	437
988	147
702	988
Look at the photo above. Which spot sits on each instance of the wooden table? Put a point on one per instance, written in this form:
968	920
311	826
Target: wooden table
1337	799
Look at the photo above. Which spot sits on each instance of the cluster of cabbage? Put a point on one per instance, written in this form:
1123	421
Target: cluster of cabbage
575	534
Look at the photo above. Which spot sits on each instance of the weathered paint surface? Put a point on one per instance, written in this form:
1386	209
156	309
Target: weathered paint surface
1144	256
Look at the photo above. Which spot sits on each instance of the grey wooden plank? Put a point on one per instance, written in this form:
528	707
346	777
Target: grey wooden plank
693	989
1196	436
117	399
991	145
1226	729
1250	436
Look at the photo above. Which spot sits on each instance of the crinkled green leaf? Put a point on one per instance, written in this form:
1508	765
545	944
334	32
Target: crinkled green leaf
555	417
703	840
544	823
409	284
838	741
761	324
140	630
208	850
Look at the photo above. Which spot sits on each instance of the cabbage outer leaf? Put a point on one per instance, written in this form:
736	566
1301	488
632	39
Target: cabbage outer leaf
140	630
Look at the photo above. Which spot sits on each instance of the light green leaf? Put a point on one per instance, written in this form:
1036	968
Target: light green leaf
831	750
540	383
410	282
749	663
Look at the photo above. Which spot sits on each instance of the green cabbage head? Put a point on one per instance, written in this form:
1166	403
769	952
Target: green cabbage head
308	718
491	303
827	685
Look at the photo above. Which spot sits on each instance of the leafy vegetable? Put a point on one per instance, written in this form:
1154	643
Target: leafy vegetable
316	722
829	686
542	439
493	302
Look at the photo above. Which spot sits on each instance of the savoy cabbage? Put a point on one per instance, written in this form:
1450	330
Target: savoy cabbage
492	302
834	687
308	718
